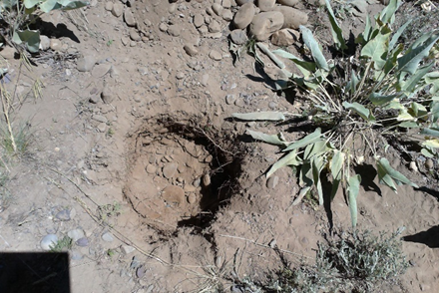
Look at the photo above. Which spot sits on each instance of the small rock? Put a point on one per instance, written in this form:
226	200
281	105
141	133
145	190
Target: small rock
172	8
238	37
102	127
265	5
76	255
48	241
114	72
290	3
191	198
163	27
227	15
85	64
282	38
272	182
135	263
196	182
230	99
151	169
272	105
266	23
127	249
242	2
198	20
76	234
109	6
214	27
108	237
55	45
174	30
140	272
130	20
99	118
206	180
83	242
63	215
190	50
217	8
179	75
169	170
44	43
226	4
429	164
244	16
117	9
173	195
107	95
135	36
413	166
215	55
101	70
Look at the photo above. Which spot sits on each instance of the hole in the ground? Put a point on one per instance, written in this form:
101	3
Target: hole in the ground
181	172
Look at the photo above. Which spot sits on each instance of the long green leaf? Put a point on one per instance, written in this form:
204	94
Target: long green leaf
307	68
360	110
398	34
376	48
430	132
410	61
379	100
289	159
336	31
412	84
384	163
353	190
271	139
317	164
336	168
310	138
432	78
312	44
387	15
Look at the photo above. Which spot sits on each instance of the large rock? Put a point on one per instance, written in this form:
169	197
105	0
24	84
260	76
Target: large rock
293	18
290	3
266	23
265	5
244	16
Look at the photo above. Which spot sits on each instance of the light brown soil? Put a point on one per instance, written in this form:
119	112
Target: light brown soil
188	235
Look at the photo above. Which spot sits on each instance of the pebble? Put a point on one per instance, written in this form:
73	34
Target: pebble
227	15
215	55
191	198
76	255
197	182
108	237
109	6
198	20
101	70
99	118
290	3
85	63
117	9
135	263
266	5
169	170
413	166
429	164
217	8
63	215
272	182
226	4
140	272
179	75
190	50
135	36
174	30
127	249
151	169
238	37
163	27
173	195
129	18
107	95
206	180
44	43
76	234
214	27
83	242
272	105
242	2
230	99
102	127
48	241
244	16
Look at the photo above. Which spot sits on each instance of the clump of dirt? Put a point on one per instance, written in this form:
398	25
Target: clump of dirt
181	172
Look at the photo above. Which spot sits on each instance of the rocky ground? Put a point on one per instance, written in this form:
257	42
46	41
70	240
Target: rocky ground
131	152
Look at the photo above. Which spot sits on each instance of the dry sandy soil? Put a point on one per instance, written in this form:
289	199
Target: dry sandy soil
138	154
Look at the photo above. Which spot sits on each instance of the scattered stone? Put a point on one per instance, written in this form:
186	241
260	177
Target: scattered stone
83	242
107	237
48	241
214	27
191	198
203	29
172	8
55	45
135	263
266	23
101	70
117	9
169	170
85	64
173	195
151	169
140	272
272	105
135	36
174	30
109	6
190	50
127	249
244	16
215	55
272	182
163	27
290	3
265	5
76	234
238	37
293	18
107	95
198	20
242	2
102	127
44	43
217	8
130	20
227	15
429	164
99	118
413	166
114	72
63	215
197	182
125	41
226	4
282	38
179	75
206	180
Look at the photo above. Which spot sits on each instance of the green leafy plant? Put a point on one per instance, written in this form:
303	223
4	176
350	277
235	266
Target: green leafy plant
357	103
17	16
